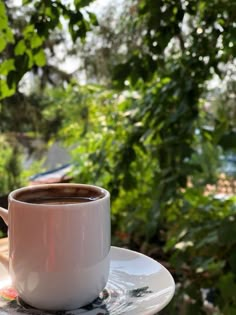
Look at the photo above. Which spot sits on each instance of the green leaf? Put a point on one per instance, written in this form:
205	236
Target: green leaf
30	55
36	41
3	16
93	18
40	58
3	43
6	35
20	48
5	91
209	239
29	29
227	232
49	12
227	285
6	66
81	3
9	36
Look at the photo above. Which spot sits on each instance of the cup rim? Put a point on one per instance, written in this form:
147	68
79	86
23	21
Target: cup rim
13	195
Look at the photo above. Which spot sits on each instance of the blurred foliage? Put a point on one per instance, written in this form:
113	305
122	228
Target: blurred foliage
12	172
195	233
10	166
29	37
202	245
153	135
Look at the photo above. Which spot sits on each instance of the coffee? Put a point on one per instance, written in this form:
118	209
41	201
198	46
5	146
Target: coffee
61	200
59	244
55	195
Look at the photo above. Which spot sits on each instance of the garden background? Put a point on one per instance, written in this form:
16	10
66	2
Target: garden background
140	95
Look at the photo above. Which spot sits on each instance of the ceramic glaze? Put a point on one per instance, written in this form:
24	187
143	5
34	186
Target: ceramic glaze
59	254
59	290
137	285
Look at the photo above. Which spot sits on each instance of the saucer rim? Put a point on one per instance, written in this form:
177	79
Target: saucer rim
120	253
167	274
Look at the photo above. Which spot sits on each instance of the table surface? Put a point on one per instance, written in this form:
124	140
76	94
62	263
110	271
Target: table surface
3	245
4	251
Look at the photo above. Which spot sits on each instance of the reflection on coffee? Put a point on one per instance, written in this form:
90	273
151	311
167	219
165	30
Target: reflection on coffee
56	195
61	200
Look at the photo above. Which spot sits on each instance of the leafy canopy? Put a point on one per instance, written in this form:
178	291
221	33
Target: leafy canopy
26	38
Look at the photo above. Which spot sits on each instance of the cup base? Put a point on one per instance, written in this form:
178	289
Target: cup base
99	301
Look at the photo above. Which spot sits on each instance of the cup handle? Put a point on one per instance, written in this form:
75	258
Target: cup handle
3	258
4	215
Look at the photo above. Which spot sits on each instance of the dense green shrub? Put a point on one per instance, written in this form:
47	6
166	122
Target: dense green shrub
10	166
201	239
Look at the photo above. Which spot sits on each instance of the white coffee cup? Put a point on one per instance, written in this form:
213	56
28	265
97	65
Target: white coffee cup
58	250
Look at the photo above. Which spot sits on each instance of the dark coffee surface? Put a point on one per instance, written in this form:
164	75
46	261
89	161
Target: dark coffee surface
60	200
60	194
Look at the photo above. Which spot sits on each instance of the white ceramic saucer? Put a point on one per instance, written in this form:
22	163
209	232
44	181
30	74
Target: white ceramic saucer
137	285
